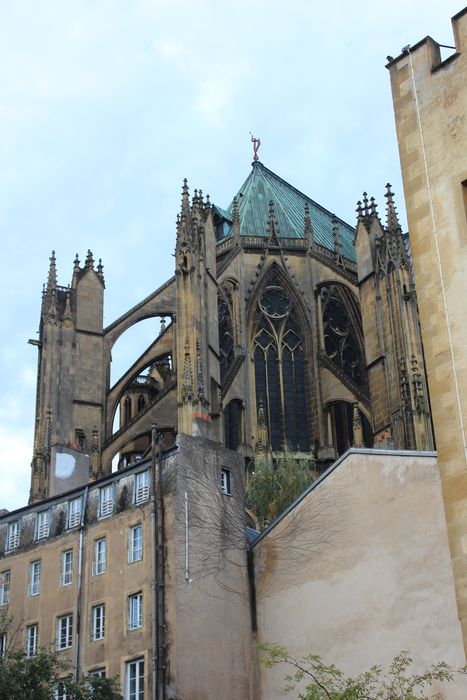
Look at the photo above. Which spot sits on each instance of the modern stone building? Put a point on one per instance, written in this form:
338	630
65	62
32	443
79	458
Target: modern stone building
290	331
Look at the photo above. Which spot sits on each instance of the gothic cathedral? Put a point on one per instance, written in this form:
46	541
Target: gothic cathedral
290	331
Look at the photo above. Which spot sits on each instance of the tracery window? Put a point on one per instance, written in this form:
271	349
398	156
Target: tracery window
340	338
279	359
226	335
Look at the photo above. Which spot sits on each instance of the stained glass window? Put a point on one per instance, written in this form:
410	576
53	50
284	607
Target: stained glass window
280	371
340	337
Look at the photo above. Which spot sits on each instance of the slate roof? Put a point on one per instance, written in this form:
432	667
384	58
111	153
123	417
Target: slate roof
263	186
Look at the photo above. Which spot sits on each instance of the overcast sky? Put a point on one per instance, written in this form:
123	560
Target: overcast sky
105	106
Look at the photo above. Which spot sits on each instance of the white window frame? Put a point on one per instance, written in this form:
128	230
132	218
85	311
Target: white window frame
98	673
5	587
135	611
74	512
34	585
106	501
32	637
13	535
42	524
60	693
98	622
134	671
135	544
66	569
141	487
99	565
226	481
64	632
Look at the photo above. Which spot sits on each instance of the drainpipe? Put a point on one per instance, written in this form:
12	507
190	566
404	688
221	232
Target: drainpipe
153	565
76	660
160	580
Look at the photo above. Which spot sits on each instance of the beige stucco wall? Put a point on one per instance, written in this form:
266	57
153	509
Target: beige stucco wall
430	106
360	570
209	638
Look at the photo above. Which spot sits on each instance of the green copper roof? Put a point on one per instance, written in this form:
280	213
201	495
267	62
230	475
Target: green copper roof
263	186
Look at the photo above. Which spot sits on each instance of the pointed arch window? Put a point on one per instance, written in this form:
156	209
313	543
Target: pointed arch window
279	359
141	403
127	409
226	334
340	335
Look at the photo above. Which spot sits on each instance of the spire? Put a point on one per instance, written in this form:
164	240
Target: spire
308	226
52	278
392	220
272	225
236	221
185	197
76	263
100	271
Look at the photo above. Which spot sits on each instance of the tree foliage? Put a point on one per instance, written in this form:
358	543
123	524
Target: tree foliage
315	680
272	487
37	677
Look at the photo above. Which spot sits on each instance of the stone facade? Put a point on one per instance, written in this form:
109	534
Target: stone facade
283	334
289	331
430	104
83	569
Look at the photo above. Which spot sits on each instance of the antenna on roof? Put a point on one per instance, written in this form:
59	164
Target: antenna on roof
256	144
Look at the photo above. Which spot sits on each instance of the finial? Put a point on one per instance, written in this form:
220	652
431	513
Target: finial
336	237
373	206
365	204
359	209
194	200
185	195
272	223
256	144
208	202
89	264
308	227
392	219
100	267
52	278
235	213
76	263
200	198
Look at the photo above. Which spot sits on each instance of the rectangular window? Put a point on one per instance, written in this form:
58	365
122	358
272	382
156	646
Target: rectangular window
141	487
5	582
106	501
34	585
134	680
135	544
225	482
42	524
135	611
74	512
32	634
13	535
97	673
60	691
64	632
3	645
66	573
98	622
99	564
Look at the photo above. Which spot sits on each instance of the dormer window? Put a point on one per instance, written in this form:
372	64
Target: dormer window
42	524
